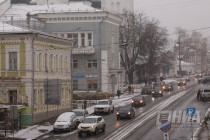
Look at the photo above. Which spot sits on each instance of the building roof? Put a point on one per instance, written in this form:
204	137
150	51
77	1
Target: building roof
7	28
19	11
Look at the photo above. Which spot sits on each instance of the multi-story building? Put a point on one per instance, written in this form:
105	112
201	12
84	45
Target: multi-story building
117	6
35	73
96	57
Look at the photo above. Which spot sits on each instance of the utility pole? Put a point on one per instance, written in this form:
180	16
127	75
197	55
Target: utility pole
179	42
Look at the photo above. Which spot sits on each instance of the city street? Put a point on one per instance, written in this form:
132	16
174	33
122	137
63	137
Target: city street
144	124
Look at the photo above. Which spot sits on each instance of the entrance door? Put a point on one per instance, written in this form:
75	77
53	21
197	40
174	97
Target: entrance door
13	97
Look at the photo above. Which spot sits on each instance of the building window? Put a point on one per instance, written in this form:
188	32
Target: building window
56	63
66	65
73	36
40	61
45	63
92	63
75	63
83	40
92	84
51	62
41	97
13	97
61	62
75	84
12	60
95	63
35	97
89	39
89	63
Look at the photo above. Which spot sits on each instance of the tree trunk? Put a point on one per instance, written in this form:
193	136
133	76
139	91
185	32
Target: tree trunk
130	77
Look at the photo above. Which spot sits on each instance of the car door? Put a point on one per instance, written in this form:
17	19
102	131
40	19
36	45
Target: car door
73	120
99	122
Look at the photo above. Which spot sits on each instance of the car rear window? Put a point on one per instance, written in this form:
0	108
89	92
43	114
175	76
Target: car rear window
206	90
89	120
124	108
137	98
103	103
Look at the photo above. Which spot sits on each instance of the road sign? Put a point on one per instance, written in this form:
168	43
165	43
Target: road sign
165	136
191	112
165	126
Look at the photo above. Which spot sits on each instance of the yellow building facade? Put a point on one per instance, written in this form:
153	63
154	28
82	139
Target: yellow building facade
35	73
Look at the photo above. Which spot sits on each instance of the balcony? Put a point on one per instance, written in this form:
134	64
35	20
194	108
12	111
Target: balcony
86	50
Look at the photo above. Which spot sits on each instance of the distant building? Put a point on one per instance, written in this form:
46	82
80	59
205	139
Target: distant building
117	6
50	2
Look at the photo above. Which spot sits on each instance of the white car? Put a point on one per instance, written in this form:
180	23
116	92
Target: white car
65	122
104	106
81	114
91	125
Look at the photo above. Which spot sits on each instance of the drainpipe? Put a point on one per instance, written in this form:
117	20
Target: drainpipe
32	77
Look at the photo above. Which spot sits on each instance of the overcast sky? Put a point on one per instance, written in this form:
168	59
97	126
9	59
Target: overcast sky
188	14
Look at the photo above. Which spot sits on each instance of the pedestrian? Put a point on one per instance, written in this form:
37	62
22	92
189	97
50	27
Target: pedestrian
129	88
118	93
198	94
85	104
132	89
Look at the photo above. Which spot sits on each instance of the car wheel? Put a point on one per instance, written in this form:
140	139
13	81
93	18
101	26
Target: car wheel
104	127
79	134
96	131
108	111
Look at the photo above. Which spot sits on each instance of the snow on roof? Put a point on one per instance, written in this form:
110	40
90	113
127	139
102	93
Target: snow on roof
19	11
6	28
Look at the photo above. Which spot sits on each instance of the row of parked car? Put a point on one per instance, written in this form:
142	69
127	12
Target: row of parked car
90	124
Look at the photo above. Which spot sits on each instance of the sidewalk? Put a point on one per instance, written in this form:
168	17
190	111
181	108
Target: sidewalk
36	131
202	133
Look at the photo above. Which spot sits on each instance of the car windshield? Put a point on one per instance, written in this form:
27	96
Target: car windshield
103	103
63	119
89	120
124	108
79	113
137	98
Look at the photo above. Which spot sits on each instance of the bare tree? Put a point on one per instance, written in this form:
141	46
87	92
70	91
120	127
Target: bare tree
141	39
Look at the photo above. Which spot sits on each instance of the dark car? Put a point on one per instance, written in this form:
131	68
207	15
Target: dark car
182	82
146	90
169	87
205	80
138	101
157	91
125	112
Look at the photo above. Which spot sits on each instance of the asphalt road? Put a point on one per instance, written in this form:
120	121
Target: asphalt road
150	130
147	125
